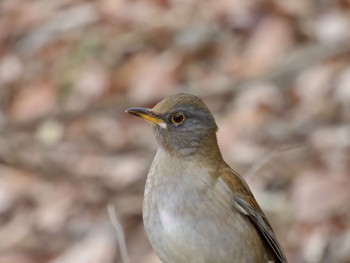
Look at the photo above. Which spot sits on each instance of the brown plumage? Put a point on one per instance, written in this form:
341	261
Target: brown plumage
196	208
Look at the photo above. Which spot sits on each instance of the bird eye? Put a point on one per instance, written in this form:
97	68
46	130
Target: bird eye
178	118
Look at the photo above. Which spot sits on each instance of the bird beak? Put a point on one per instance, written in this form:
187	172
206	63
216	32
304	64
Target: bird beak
147	115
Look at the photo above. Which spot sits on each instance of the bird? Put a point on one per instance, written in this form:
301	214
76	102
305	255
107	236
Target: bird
196	208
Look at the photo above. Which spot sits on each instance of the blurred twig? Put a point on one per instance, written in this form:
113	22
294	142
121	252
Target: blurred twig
120	233
270	157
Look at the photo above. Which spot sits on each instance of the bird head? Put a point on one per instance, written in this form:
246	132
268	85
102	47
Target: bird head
183	125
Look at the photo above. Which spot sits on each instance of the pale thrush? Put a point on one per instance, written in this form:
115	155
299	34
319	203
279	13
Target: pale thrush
196	208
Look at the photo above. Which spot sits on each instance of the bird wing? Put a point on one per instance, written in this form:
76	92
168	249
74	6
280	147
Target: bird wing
246	204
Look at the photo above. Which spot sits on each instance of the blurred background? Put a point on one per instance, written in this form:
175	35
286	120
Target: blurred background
276	75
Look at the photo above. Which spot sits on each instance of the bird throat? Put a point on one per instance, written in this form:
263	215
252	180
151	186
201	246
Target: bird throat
203	149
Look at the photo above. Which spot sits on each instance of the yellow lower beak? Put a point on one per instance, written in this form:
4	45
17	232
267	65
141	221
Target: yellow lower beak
146	114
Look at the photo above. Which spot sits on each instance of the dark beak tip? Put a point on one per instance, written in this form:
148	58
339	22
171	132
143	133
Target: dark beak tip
137	110
131	110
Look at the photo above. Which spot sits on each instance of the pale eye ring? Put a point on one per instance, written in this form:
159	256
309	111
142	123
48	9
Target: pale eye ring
178	118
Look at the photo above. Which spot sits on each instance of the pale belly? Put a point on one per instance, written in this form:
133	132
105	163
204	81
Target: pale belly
199	228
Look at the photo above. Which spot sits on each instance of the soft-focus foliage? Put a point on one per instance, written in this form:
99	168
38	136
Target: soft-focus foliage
276	74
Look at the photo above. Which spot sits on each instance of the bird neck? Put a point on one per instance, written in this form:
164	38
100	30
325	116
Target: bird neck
205	151
209	151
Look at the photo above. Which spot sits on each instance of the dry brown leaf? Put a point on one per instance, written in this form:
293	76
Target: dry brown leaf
33	101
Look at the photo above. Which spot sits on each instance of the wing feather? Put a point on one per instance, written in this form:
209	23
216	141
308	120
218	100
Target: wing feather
262	226
247	205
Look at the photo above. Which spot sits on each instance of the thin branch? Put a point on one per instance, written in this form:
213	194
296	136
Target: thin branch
120	233
270	157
